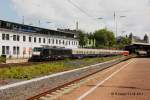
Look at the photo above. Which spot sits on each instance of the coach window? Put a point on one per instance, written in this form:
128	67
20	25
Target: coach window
30	39
39	40
43	40
34	39
24	38
14	37
3	36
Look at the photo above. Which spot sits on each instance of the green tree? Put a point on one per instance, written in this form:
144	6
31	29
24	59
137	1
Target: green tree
82	37
91	40
104	38
123	41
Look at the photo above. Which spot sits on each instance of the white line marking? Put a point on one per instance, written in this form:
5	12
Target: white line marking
49	76
92	89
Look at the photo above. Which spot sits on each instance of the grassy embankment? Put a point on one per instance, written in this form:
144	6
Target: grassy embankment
48	68
2	59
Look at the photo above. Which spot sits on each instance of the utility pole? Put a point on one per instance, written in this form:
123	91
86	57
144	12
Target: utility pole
100	18
39	22
115	24
77	26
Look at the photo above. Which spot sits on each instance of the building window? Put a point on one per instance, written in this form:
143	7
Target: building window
14	37
14	50
24	38
7	50
76	43
63	42
18	50
7	36
56	41
59	41
49	41
53	41
3	50
43	40
39	40
34	39
18	38
3	36
30	39
69	42
8	25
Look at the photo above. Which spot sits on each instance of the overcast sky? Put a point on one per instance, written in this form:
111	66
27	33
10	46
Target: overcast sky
64	14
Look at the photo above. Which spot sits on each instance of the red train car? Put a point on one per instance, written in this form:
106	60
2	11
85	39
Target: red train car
125	53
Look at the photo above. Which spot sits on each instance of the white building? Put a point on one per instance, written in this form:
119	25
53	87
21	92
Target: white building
18	41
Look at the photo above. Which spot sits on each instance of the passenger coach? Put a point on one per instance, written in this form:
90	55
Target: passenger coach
46	54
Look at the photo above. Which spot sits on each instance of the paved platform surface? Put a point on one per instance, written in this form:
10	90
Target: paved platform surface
129	80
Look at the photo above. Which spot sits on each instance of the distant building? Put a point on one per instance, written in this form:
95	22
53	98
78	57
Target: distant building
136	39
146	39
18	40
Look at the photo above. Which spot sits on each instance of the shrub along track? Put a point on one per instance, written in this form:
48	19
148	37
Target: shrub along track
26	64
9	73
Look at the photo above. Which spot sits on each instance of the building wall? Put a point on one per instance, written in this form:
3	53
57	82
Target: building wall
25	47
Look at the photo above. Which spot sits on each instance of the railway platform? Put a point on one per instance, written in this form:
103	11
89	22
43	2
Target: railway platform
128	80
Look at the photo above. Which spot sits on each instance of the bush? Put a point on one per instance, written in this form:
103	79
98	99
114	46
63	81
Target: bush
2	59
32	71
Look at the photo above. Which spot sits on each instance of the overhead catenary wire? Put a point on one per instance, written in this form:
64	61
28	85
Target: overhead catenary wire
80	9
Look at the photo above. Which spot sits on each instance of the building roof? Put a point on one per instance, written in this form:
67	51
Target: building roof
33	29
138	40
137	43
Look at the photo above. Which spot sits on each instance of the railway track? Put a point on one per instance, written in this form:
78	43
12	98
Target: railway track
51	86
63	89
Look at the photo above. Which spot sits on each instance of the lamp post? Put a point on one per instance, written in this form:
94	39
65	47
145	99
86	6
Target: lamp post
122	18
116	22
100	18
